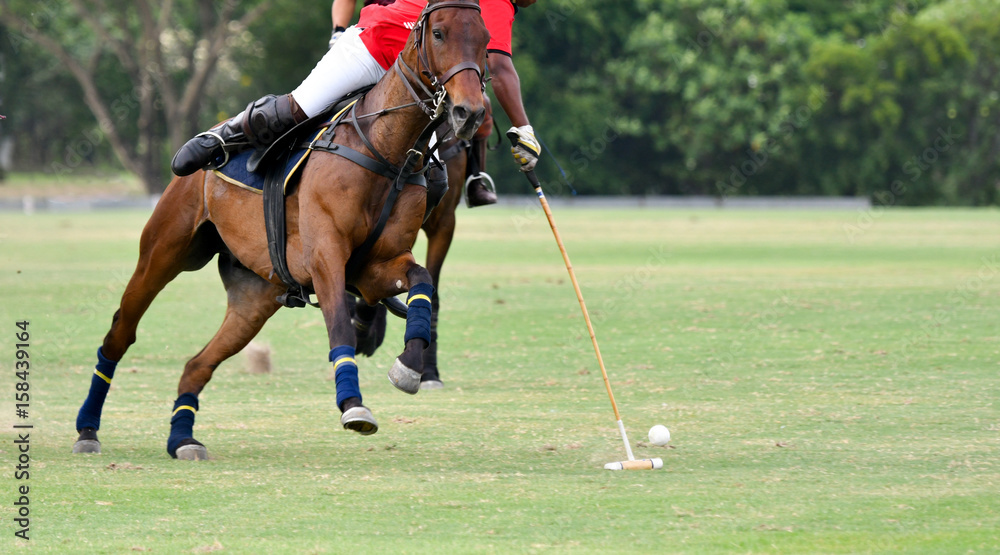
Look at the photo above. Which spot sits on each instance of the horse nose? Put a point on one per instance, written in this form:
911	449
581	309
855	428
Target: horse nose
461	114
466	120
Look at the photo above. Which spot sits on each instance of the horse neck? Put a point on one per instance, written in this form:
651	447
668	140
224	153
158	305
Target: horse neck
394	133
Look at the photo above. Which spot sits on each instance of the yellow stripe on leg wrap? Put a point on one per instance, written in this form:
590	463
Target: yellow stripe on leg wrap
417	297
102	376
343	360
184	407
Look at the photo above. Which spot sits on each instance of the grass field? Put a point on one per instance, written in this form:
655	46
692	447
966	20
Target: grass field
830	380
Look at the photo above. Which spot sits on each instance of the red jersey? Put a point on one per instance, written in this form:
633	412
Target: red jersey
386	28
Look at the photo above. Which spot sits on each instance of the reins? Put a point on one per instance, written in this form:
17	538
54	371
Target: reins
411	76
432	104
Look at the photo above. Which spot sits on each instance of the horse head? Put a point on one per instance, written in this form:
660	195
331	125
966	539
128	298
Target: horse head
448	50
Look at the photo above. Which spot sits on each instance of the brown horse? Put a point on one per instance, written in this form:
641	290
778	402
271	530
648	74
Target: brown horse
464	161
329	214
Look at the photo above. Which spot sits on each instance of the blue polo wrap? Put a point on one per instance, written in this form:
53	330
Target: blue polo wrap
182	421
345	371
418	313
90	413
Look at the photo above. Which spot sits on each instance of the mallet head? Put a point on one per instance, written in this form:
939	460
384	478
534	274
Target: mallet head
642	464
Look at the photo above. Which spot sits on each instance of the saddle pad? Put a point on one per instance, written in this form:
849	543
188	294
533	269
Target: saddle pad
235	171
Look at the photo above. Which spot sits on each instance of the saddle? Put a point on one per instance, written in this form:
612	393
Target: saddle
277	167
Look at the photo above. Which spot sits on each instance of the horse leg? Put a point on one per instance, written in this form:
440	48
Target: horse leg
328	282
440	229
438	242
406	371
251	301
369	324
171	242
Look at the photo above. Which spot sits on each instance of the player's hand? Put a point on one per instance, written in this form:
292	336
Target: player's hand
336	35
525	149
524	3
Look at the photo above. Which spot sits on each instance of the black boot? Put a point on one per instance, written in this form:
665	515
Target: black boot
258	126
479	188
437	186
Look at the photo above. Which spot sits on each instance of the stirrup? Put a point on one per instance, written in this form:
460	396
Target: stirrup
212	165
487	183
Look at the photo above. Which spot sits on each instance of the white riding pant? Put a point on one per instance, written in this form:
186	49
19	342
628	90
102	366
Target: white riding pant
346	67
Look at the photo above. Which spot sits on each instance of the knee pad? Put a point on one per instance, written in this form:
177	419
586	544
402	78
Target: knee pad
437	186
270	117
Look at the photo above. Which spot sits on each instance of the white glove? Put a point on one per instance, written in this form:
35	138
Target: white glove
336	35
525	147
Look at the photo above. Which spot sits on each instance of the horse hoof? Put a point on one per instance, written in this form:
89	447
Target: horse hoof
87	446
192	452
404	378
360	420
431	384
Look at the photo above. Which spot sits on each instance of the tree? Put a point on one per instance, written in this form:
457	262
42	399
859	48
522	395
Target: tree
165	53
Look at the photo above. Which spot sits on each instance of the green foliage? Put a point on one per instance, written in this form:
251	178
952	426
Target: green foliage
721	97
290	40
892	124
768	97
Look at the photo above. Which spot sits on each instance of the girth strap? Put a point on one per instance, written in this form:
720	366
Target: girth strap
274	225
366	162
296	296
413	158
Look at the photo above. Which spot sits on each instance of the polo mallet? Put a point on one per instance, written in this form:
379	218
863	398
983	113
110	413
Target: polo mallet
631	463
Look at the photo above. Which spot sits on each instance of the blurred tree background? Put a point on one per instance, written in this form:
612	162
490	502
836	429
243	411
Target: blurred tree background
897	100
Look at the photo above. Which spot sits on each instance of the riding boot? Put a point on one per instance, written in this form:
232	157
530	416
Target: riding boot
479	193
478	187
437	186
258	126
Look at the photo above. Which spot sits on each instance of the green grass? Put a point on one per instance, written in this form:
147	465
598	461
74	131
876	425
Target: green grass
827	391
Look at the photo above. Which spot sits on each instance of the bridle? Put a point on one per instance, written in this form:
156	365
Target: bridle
401	175
433	101
411	76
432	104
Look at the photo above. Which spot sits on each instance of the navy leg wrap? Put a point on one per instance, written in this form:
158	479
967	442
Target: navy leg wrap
346	374
418	314
182	421
90	413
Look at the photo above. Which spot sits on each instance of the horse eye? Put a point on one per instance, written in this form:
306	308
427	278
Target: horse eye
437	34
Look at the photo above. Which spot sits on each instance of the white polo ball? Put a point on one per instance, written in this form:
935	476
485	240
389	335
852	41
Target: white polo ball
659	435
